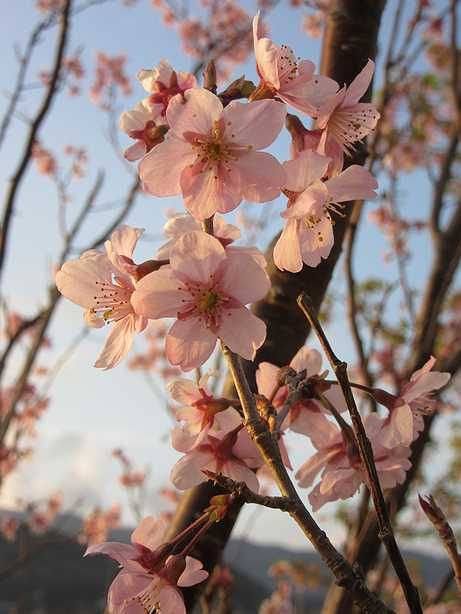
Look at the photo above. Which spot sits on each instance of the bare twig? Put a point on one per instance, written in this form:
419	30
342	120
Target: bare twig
366	455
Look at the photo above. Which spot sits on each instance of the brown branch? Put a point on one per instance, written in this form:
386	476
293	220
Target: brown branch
35	126
441	525
345	575
386	532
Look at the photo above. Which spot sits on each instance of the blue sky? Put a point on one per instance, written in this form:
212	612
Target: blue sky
93	412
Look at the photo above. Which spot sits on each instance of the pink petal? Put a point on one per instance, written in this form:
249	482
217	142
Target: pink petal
118	342
150	532
323	432
287	252
308	471
314	93
309	359
159	294
266	378
77	279
400	428
266	54
241	473
187	472
256	124
193	574
171	601
123	240
160	169
135	151
316	243
125	586
309	203
189	344
117	551
184	391
262	176
242	332
360	84
210	190
308	167
353	183
243	278
196	113
426	383
196	256
225	421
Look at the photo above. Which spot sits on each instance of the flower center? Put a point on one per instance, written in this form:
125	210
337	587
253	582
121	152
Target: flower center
112	300
208	302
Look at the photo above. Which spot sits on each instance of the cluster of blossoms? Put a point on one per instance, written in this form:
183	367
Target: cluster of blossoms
210	150
38	517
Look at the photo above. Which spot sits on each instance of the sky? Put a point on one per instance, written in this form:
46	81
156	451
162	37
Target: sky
91	411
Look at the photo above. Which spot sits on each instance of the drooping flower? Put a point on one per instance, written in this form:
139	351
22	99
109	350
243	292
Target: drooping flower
405	421
341	469
308	233
211	156
149	580
181	223
310	361
282	75
142	125
233	455
343	119
200	413
163	83
104	284
206	288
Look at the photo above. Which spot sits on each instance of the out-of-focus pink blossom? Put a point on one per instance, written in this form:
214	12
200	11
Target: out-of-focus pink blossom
44	160
104	284
109	74
8	527
211	156
206	288
98	523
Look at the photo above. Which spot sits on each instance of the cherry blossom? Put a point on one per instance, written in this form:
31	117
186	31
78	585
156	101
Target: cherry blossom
148	581
200	413
233	455
282	75
341	469
104	284
206	288
406	421
308	233
343	119
142	125
163	83
308	360
211	156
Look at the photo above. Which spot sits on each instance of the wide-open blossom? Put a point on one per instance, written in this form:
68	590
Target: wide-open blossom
308	233
206	288
148	581
299	416
211	156
343	119
145	127
104	284
292	80
340	466
407	410
163	83
200	413
180	223
233	455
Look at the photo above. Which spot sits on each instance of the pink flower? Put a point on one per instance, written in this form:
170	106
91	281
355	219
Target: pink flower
163	83
200	413
104	284
308	233
142	125
210	154
406	421
205	288
344	119
299	417
281	74
233	455
147	581
182	223
342	472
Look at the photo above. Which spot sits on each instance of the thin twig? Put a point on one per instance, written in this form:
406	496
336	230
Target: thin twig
366	454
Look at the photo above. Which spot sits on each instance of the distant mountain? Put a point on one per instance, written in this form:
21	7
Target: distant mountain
59	581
